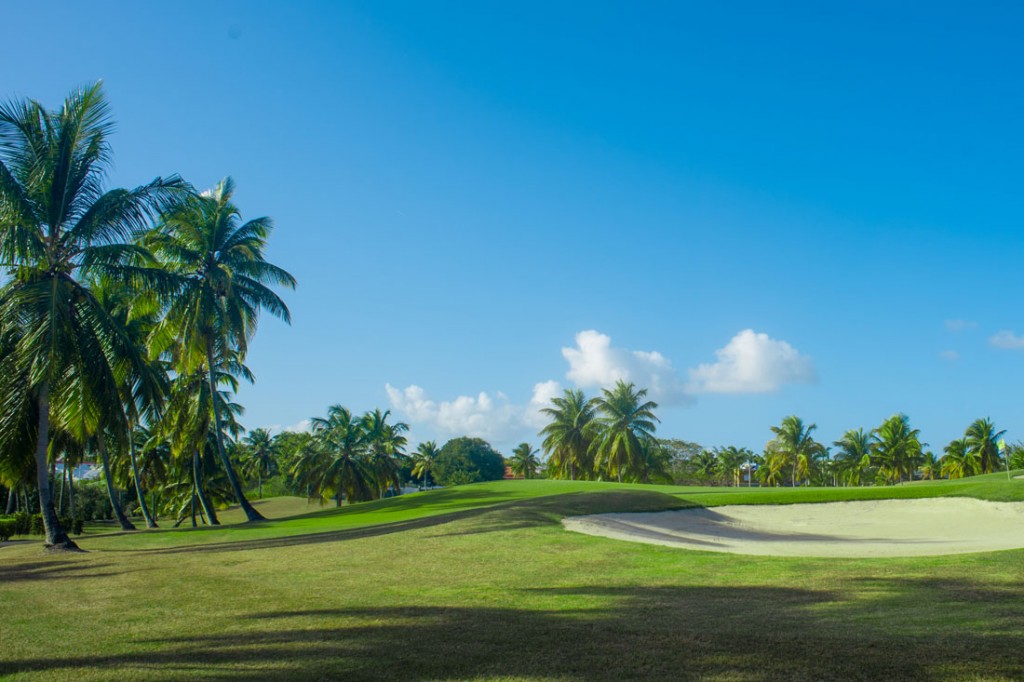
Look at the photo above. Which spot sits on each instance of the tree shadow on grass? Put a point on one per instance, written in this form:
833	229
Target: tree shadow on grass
494	518
579	633
27	571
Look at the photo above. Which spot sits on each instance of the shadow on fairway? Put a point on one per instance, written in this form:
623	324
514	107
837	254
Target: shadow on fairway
588	633
499	516
46	569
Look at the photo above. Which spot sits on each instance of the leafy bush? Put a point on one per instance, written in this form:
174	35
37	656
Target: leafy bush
8	528
467	460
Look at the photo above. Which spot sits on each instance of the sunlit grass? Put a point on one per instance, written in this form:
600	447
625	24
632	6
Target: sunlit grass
481	582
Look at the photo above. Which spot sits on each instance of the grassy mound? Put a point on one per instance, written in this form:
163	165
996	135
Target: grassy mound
481	582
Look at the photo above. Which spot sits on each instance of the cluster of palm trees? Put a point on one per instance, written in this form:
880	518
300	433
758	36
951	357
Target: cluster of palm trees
354	459
125	315
889	454
609	437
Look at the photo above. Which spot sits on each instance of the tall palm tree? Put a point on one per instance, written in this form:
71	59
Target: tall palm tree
524	461
346	473
958	461
57	227
930	466
793	441
223	282
423	460
706	466
385	445
896	448
568	436
854	456
260	456
983	442
625	420
730	462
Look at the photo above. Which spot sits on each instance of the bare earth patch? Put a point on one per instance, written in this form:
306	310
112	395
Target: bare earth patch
878	528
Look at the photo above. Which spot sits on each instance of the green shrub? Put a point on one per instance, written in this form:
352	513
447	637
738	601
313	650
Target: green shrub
8	528
467	460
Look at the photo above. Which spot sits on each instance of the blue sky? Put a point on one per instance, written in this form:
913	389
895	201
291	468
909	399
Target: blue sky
757	211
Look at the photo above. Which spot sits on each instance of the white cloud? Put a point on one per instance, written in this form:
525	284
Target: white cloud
542	395
960	325
753	363
949	355
484	416
302	426
1007	340
595	363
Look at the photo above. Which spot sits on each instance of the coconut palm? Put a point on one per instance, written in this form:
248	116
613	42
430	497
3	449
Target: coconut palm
706	466
896	448
930	466
794	445
567	438
260	456
223	283
385	446
958	461
625	418
853	460
524	461
730	462
423	460
345	473
983	442
57	227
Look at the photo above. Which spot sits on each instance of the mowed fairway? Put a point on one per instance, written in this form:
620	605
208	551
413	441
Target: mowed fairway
482	582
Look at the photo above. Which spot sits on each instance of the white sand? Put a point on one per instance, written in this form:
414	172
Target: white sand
880	528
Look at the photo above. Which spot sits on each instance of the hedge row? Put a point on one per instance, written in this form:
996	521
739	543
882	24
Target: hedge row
24	523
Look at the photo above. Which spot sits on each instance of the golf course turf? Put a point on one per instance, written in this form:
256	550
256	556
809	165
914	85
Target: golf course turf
482	582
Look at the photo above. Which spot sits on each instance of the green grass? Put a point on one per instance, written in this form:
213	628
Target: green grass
481	582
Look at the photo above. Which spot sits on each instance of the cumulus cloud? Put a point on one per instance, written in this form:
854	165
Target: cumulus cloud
960	325
1007	340
595	363
753	363
493	417
300	427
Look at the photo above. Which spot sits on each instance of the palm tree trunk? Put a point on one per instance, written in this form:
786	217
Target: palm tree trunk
204	500
60	495
250	513
259	478
12	499
150	521
71	491
111	493
56	537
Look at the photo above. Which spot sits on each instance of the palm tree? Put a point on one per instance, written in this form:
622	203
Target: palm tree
930	466
568	436
896	448
793	443
423	460
706	466
345	473
983	442
959	461
385	444
57	227
222	285
524	461
854	456
730	462
625	419
260	456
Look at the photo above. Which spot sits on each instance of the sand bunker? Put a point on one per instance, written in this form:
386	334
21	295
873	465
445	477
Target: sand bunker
879	528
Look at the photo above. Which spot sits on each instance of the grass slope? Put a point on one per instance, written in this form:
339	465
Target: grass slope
481	582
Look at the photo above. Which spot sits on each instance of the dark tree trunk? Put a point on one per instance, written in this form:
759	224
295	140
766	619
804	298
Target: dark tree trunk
150	521
71	489
56	537
250	513
60	494
115	502
204	500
